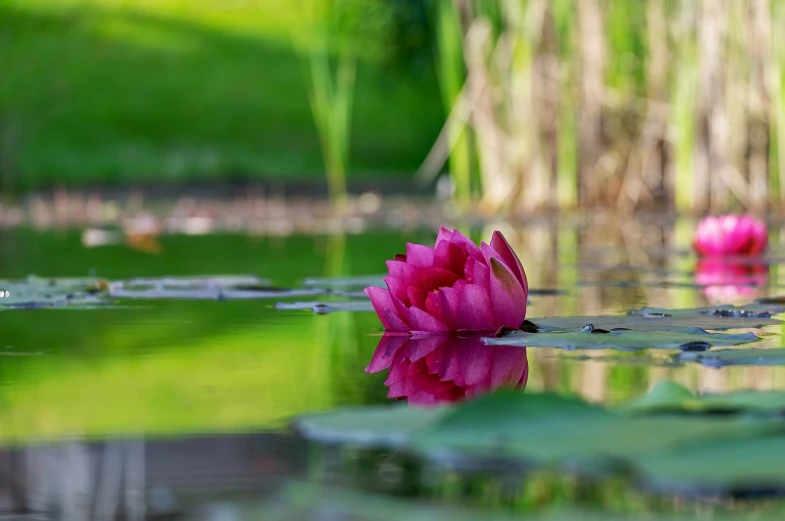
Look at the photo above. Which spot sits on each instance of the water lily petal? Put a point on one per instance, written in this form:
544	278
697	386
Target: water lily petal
449	303
401	270
416	297
383	305
397	288
482	274
450	257
510	259
430	278
463	241
474	311
507	296
419	255
422	321
445	234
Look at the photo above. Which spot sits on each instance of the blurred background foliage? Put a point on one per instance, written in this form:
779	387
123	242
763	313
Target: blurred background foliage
528	104
108	91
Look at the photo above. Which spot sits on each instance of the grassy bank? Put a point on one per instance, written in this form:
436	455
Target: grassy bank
103	91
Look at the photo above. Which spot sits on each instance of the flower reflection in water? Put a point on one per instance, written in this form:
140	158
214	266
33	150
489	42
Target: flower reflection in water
726	281
437	368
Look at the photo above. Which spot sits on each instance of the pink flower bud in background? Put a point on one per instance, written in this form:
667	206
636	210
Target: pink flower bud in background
730	235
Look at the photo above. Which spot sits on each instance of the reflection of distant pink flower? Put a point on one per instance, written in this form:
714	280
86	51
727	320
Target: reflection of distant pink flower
724	281
445	368
730	235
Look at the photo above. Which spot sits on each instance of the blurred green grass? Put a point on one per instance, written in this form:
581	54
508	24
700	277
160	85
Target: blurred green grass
112	91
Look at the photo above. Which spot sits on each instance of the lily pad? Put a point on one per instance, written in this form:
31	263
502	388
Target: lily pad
204	281
345	282
691	339
663	321
669	396
746	466
548	430
545	430
390	426
212	287
323	308
37	292
755	310
726	357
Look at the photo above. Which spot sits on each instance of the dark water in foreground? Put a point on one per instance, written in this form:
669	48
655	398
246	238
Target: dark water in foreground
154	406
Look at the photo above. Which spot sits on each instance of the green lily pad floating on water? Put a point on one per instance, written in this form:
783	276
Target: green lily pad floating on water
738	466
669	396
691	339
360	282
727	357
214	287
508	429
39	292
322	308
652	322
754	310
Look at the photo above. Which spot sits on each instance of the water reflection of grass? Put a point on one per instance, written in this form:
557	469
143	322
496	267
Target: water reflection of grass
189	368
179	366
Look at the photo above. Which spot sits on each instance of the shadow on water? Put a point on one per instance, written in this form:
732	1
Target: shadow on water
143	407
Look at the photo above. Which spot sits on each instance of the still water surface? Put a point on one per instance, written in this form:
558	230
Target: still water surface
180	396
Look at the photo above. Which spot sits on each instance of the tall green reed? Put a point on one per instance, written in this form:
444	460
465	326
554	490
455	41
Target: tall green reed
331	95
452	75
331	69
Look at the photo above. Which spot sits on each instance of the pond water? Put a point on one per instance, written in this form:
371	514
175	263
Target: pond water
163	406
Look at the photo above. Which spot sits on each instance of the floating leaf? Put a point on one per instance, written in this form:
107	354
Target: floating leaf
653	322
725	357
512	428
390	426
755	310
691	339
37	292
203	282
753	465
669	396
204	291
345	282
323	308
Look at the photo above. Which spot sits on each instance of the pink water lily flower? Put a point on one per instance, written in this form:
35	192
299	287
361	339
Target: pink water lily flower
439	368
456	285
730	235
